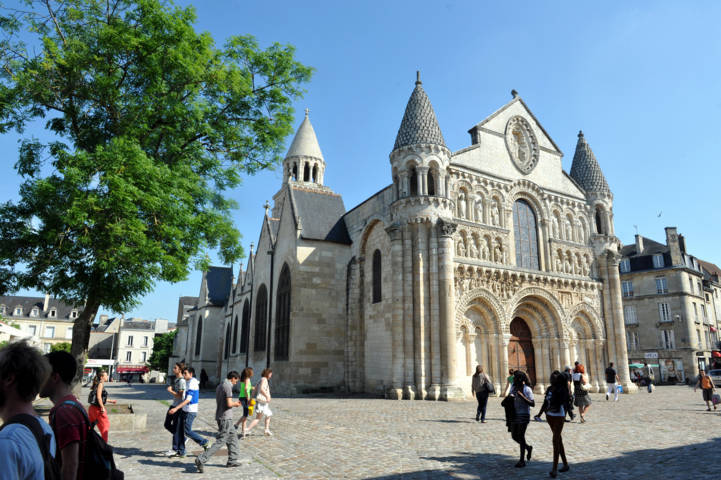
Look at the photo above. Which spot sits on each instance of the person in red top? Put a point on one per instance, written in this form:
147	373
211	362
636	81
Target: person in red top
67	420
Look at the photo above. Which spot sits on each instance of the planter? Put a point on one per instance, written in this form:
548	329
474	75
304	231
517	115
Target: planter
124	419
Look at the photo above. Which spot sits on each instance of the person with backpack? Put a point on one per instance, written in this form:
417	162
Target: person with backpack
27	443
97	399
481	387
67	417
173	422
189	410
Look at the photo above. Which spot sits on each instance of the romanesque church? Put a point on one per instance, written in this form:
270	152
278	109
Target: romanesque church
490	255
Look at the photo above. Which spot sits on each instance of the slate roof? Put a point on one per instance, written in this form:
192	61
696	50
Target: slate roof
137	324
320	215
219	281
650	247
305	143
712	270
11	302
419	123
585	170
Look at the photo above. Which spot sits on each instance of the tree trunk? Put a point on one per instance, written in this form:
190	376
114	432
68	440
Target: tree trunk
81	339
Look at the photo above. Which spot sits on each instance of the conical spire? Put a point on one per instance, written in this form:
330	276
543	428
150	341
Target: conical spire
585	170
419	123
305	143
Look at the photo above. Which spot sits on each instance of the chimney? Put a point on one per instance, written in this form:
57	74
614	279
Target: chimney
674	248
103	319
639	244
46	304
682	243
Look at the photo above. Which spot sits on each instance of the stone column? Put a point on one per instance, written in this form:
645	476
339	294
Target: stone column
600	366
419	180
423	185
419	333
566	352
503	341
409	389
499	376
434	391
541	377
470	338
614	281
396	236
449	388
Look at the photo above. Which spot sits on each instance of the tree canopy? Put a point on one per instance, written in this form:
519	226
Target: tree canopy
149	122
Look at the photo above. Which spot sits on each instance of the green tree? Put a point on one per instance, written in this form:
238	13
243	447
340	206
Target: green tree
162	349
149	123
61	347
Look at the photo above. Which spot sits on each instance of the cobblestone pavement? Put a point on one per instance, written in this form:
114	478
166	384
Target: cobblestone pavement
664	435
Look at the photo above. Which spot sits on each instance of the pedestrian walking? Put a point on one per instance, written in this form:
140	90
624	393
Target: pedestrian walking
648	376
227	435
568	376
481	387
68	416
556	400
173	421
707	387
26	441
522	403
189	410
581	386
263	398
98	399
611	380
245	396
509	382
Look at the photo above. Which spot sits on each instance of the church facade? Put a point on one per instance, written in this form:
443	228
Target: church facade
491	255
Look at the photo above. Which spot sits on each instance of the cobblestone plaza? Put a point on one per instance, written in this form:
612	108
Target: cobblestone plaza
664	435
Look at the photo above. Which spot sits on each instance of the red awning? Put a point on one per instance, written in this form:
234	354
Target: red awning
716	354
122	369
713	329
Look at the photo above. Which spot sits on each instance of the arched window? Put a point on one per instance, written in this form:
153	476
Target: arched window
235	334
226	354
524	226
261	316
295	171
198	335
315	173
431	183
245	328
599	220
396	188
306	173
282	315
377	292
413	180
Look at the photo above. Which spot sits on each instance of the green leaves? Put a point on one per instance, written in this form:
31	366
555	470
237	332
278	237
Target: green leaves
150	123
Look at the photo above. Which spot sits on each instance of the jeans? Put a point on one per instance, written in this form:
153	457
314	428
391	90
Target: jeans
482	398
227	435
188	419
174	424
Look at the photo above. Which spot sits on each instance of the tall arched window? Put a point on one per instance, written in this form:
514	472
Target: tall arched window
306	173
315	173
413	181
524	225
261	316
226	353
599	220
198	335
235	334
431	183
282	315
377	292
245	328
295	171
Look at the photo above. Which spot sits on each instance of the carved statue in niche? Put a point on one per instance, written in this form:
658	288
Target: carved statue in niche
498	253
462	205
554	227
586	266
567	267
496	214
559	262
579	232
461	249
472	248
576	265
484	250
478	210
569	233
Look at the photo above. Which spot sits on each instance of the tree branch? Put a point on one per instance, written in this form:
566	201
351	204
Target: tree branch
55	21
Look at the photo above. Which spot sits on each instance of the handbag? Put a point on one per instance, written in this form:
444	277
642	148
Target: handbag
489	386
585	386
716	399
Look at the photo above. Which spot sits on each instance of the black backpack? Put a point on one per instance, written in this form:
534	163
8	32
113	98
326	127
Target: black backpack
52	469
98	462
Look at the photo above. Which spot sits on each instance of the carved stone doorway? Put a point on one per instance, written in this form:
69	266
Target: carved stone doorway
520	349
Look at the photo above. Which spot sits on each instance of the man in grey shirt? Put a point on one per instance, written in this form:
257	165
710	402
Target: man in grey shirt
174	421
227	435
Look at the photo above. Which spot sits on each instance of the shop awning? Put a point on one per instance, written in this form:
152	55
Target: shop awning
131	369
713	329
716	354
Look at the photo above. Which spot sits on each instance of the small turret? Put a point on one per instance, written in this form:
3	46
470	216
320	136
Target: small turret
585	170
304	161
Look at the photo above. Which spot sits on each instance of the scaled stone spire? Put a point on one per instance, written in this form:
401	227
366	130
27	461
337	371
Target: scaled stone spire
305	143
585	170
419	123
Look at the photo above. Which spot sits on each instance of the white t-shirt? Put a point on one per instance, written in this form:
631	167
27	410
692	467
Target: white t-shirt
20	457
193	392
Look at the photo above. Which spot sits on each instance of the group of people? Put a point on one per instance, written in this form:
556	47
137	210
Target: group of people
566	390
180	416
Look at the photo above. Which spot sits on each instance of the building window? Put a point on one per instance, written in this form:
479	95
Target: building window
627	287
377	277
629	314
708	339
226	352
700	289
667	340
703	313
524	228
3	309
18	311
282	314
245	328
658	261
625	265
698	336
632	339
129	357
664	314
261	317
32	329
695	312
144	356
74	314
198	335
661	286
34	312
145	341
413	180
431	183
130	340
69	332
47	347
53	313
49	332
235	334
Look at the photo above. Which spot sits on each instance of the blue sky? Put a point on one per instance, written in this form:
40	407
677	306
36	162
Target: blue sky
641	79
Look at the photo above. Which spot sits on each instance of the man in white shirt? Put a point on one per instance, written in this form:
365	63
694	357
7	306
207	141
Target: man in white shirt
23	371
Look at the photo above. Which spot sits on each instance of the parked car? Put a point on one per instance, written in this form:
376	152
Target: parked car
715	377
